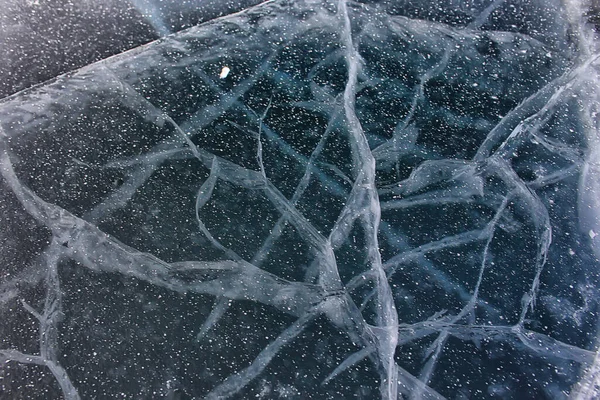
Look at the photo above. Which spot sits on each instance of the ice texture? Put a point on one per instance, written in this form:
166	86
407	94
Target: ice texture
383	199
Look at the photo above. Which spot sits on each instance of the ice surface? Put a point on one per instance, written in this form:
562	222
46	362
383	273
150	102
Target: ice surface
310	199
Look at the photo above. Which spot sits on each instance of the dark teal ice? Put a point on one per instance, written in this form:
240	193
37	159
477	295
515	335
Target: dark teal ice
379	200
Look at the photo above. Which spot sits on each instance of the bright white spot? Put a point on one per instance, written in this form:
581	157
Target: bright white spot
571	252
592	234
224	72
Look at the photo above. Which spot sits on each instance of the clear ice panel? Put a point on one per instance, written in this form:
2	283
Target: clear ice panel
379	200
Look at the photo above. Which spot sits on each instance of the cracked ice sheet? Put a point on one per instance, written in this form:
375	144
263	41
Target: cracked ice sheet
404	186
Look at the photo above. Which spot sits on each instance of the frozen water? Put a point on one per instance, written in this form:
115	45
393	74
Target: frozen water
310	199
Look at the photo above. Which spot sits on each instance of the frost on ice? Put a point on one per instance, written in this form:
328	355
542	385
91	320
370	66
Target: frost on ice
384	201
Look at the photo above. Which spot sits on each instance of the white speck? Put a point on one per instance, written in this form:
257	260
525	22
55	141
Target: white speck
592	234
224	72
571	252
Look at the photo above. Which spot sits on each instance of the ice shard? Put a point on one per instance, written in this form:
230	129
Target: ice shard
310	199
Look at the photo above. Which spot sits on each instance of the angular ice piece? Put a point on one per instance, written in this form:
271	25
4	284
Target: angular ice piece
224	72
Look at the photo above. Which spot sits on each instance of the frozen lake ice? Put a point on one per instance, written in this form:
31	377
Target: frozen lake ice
310	200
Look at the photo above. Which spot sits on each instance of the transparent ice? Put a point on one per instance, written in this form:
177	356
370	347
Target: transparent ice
379	200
